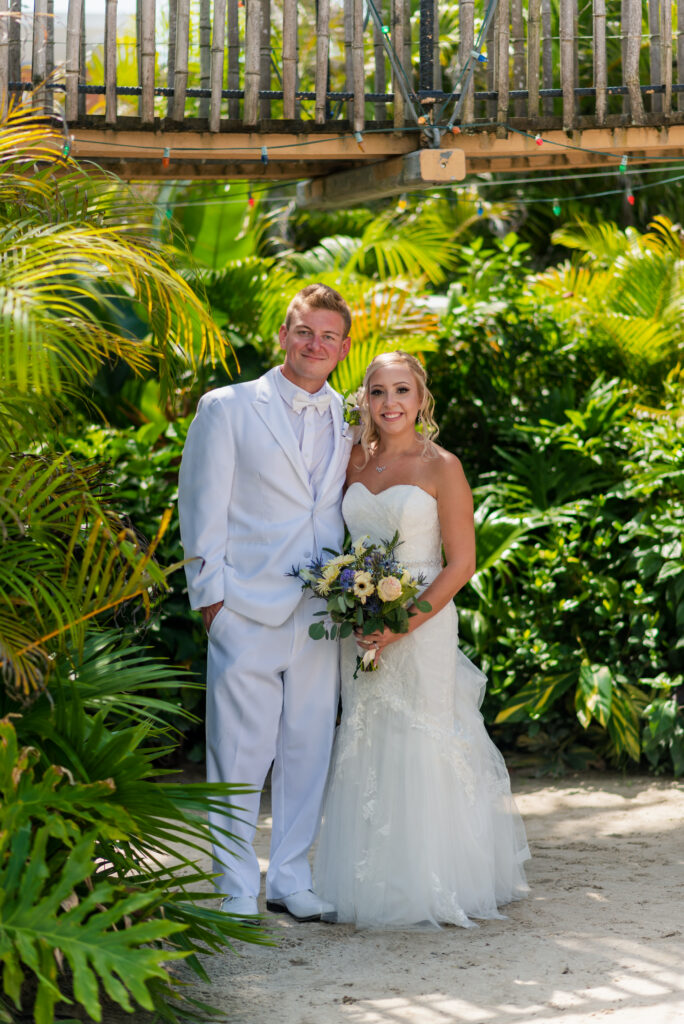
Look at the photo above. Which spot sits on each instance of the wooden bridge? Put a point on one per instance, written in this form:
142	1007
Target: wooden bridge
359	97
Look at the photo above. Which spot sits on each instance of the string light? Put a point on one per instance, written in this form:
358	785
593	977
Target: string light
623	164
401	205
630	197
538	139
166	158
250	199
264	155
556	207
480	209
66	149
455	130
358	137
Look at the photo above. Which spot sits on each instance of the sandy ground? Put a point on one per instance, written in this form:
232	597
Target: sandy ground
599	939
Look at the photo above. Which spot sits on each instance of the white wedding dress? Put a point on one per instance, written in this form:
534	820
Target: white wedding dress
419	825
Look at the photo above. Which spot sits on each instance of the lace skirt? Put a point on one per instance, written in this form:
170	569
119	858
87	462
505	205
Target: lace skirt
419	825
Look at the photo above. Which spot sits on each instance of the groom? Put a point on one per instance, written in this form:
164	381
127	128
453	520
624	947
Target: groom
260	490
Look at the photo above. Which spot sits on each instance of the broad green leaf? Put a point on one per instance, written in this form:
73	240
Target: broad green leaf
536	697
594	694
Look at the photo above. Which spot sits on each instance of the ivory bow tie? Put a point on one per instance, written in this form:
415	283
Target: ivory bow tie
320	402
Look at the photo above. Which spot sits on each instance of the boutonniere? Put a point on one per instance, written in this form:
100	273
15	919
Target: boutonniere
352	415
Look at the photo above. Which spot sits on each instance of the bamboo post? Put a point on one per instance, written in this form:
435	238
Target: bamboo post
348	56
575	61
655	63
171	54
567	61
50	53
110	62
380	79
666	28
406	60
518	43
4	56
15	41
533	57
624	15
180	73
73	54
436	56
426	46
265	59
398	35
322	58
252	43
503	80
600	61
467	43
632	34
492	62
205	54
547	56
82	77
233	57
680	52
39	52
359	79
217	44
289	58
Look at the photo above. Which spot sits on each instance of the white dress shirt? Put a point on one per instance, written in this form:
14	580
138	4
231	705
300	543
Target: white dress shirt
312	427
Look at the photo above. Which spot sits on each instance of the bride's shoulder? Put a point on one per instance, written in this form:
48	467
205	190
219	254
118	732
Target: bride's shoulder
447	468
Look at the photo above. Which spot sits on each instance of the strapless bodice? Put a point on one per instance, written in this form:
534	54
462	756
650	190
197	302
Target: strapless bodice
405	508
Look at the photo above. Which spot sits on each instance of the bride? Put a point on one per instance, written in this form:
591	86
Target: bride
419	825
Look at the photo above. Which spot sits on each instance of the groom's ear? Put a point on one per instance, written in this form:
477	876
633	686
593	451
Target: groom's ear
282	335
344	350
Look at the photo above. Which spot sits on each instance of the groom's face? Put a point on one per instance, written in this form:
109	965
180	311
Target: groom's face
314	344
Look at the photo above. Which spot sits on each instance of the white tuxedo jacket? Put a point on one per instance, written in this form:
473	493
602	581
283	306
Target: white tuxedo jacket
247	511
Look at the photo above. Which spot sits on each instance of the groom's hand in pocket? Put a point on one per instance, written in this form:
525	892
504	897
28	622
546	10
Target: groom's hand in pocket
209	613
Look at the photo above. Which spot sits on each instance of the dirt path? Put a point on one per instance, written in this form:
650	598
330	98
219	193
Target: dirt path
599	939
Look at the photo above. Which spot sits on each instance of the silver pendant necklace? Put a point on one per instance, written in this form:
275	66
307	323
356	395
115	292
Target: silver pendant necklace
380	469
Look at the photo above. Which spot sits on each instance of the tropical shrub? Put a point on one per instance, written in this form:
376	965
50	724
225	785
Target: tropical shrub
578	616
96	901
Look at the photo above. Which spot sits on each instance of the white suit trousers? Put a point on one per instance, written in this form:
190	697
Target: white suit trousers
271	698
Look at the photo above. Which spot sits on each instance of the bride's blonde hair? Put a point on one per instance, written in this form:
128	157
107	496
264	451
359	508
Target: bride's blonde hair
426	428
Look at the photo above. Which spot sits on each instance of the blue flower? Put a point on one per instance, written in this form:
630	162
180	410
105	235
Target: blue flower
347	579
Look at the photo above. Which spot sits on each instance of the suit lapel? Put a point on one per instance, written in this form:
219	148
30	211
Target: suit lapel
270	407
342	443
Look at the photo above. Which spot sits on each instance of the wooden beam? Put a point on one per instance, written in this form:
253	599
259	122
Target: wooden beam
313	153
425	168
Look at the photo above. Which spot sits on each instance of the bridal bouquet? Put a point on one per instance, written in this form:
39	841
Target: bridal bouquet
366	589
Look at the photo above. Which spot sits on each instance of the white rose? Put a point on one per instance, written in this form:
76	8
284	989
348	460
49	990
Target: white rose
389	588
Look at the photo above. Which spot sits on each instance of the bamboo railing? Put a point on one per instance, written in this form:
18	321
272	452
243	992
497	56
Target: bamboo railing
227	65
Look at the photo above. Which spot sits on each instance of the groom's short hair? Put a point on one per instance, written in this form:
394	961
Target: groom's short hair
320	296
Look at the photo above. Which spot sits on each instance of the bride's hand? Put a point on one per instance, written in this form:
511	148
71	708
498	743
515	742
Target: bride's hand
376	641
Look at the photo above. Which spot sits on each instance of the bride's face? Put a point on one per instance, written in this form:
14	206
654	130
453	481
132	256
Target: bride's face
394	398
